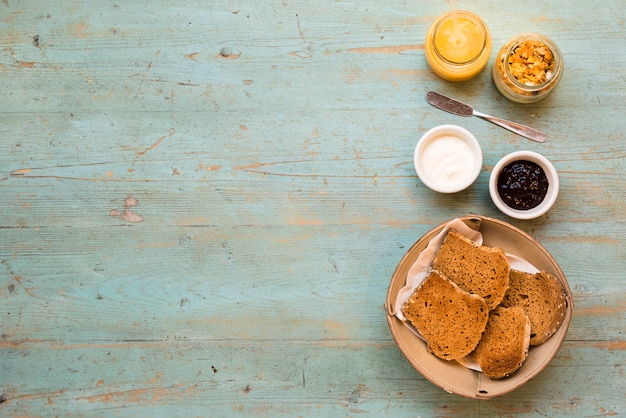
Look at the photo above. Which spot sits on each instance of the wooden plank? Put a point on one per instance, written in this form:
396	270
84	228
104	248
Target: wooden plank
217	378
203	204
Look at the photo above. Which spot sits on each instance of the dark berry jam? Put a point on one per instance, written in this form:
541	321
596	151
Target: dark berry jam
522	185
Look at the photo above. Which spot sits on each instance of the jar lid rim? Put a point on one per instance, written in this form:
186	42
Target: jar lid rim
474	19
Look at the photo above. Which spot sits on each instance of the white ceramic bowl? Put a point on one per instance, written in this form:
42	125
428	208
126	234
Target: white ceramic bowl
448	158
549	199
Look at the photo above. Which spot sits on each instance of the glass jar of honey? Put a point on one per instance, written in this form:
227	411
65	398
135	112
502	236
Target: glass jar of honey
458	45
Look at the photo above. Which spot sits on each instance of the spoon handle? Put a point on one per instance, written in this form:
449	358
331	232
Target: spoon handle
523	130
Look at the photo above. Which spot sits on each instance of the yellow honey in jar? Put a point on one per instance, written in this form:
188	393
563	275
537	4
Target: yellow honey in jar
458	44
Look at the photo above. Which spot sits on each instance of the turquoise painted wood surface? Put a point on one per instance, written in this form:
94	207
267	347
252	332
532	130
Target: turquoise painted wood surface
203	203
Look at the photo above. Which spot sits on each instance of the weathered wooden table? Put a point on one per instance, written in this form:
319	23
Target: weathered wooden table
203	204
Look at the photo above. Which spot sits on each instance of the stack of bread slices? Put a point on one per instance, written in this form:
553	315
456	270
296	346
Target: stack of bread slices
472	304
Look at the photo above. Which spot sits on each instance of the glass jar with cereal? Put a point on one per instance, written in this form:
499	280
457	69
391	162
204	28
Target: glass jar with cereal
527	68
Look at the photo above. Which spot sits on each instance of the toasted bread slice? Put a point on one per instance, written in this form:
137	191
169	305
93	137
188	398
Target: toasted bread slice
476	269
504	345
542	297
449	318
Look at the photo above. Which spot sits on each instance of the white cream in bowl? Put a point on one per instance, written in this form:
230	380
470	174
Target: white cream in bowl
448	158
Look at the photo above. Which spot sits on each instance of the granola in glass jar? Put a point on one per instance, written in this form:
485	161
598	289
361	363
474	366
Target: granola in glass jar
527	68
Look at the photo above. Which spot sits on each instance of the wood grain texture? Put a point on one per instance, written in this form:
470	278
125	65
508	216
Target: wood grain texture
203	204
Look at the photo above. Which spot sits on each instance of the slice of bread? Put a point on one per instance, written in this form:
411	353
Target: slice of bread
504	345
450	319
476	269
542	297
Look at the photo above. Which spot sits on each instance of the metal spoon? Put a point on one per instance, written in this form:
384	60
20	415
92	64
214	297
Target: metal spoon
458	108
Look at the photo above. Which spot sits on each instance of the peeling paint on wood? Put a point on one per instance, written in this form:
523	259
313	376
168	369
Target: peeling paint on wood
203	205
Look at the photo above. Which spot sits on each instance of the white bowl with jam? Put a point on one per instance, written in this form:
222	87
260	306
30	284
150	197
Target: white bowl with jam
448	158
524	185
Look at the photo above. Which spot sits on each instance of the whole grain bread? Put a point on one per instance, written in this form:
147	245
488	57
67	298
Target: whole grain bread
476	269
542	297
450	319
504	344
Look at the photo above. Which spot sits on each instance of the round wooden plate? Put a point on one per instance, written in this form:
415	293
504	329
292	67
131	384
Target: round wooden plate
450	375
